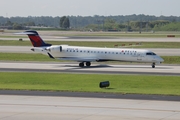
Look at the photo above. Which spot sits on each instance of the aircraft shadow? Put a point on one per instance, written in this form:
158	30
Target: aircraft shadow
142	67
107	88
85	67
109	66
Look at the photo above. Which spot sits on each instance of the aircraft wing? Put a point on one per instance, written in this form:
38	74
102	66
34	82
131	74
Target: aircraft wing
78	59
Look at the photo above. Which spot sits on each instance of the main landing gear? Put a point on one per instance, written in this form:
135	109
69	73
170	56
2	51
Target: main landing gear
153	65
82	64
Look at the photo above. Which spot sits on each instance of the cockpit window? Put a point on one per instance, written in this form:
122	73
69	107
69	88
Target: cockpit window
150	53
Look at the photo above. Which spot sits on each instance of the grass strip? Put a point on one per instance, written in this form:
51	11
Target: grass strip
124	84
40	57
24	57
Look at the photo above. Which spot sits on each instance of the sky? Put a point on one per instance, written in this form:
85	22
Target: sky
25	8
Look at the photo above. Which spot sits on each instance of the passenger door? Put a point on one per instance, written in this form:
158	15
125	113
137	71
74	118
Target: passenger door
139	56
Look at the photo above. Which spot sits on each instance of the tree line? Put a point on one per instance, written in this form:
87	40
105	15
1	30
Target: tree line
128	22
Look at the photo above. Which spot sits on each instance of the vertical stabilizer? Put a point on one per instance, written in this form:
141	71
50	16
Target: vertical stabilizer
36	40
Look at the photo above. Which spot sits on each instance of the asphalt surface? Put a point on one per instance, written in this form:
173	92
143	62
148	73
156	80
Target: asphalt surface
106	39
90	95
25	107
144	69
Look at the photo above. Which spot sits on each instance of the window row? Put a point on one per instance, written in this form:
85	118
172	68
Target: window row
81	51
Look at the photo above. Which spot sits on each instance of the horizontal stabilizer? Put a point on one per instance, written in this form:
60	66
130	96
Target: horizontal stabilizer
25	33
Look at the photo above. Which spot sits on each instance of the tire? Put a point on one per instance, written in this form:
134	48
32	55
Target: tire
81	64
88	64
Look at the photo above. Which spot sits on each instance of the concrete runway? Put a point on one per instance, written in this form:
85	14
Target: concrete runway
57	38
76	108
95	68
27	49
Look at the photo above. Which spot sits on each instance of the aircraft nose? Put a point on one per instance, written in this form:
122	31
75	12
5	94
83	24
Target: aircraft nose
161	59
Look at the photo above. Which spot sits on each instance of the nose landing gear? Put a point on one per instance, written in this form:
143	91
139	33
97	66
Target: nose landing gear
153	65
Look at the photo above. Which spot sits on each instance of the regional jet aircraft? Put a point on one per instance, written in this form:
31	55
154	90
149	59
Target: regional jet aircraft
86	55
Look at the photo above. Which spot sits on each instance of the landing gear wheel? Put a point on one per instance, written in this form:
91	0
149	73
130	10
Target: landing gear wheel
81	64
88	64
153	65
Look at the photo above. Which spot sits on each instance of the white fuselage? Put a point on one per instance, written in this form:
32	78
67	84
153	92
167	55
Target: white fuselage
89	54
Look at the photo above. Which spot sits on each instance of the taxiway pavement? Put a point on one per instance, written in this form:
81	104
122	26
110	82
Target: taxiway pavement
95	68
16	107
56	38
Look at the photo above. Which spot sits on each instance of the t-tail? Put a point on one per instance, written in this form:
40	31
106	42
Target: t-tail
36	40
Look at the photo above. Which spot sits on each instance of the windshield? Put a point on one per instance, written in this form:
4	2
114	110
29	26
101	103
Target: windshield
150	53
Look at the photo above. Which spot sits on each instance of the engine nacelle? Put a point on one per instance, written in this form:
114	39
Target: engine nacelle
54	49
38	50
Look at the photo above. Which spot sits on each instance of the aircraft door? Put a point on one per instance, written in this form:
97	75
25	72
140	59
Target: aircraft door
139	56
60	48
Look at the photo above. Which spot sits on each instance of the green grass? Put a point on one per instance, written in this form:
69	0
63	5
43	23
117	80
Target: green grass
97	44
12	36
171	59
40	57
125	84
24	57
